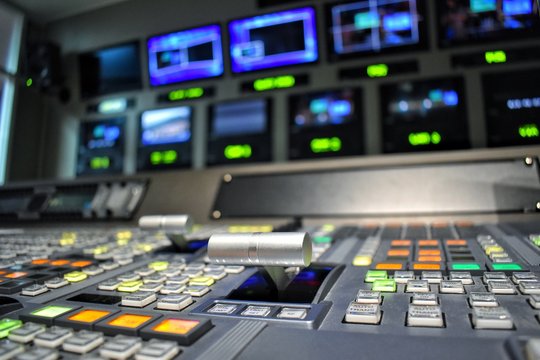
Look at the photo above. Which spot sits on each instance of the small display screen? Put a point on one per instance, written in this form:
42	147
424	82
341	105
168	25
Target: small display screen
273	40
71	201
239	118
468	21
166	126
321	109
185	55
110	70
10	204
375	26
424	115
102	134
512	107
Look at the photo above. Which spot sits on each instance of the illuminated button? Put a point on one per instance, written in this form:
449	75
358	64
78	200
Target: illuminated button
26	333
183	331
176	326
429	259
373	275
158	350
53	337
451	287
197	290
129	321
223	309
491	318
362	260
388	285
292	313
506	267
368	297
401	243
432	277
398	253
181	280
389	266
159	265
428	242
151	287
130	286
363	313
51	311
120	347
81	264
465	266
526	276
40	261
83	342
464	277
257	311
401	277
427	252
417	286
174	302
173	289
203	280
424	316
456	242
429	299
426	266
130	276
529	287
234	269
6	325
109	285
501	287
493	249
60	262
322	239
89	316
16	275
75	276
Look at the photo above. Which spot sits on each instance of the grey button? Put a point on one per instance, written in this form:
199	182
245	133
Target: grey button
368	297
145	271
196	290
401	277
139	299
56	283
92	270
179	280
192	272
34	290
292	313
109	265
224	309
173	289
151	287
363	313
529	287
451	287
532	349
53	337
26	333
483	299
259	311
428	316
84	341
464	277
38	354
177	265
109	285
425	299
158	350
196	266
9	349
174	302
417	286
432	277
501	287
130	276
518	277
491	318
234	269
121	347
488	276
209	268
156	278
216	275
170	272
534	300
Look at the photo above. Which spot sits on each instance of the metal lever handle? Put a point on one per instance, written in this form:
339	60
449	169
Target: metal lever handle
174	224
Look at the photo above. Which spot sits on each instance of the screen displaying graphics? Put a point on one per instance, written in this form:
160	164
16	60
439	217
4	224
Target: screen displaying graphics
110	70
273	40
239	131
185	55
424	115
101	147
375	26
512	107
468	21
165	138
326	123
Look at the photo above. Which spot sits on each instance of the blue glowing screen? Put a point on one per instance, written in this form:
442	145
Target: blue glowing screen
240	118
104	134
374	25
185	55
323	108
166	126
273	40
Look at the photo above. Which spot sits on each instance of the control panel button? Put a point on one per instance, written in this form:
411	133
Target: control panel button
158	350
174	302
428	316
491	318
483	299
413	286
258	311
368	297
139	299
223	309
363	313
184	331
120	347
451	287
83	342
529	287
425	299
464	277
53	337
292	313
401	277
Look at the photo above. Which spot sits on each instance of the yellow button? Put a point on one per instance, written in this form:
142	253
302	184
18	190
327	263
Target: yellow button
202	280
362	260
493	249
130	286
159	265
75	276
130	321
89	316
176	326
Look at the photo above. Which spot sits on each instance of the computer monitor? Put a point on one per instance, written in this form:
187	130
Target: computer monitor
463	22
165	138
512	107
367	27
273	40
186	55
239	131
326	123
424	115
101	147
110	70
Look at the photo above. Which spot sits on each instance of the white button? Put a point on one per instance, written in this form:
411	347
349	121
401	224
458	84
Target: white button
292	313
529	288
401	277
432	277
483	299
428	316
417	286
174	302
425	299
501	287
139	299
53	337
532	349
464	277
451	287
491	318
260	311
120	348
368	297
223	309
84	341
363	313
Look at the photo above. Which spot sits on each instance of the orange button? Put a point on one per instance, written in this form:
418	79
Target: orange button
3	272
130	321
429	252
176	326
389	266
89	316
428	242
60	262
438	225
456	242
400	243
398	252
40	261
82	263
427	266
16	275
429	258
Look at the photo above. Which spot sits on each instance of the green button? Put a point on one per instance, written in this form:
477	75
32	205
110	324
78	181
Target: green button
388	285
322	239
536	240
504	267
468	266
51	311
373	275
6	325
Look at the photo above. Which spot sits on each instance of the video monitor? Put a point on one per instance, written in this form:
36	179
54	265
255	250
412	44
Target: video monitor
110	70
463	22
424	115
325	124
186	55
361	28
512	107
239	131
274	40
165	138
101	147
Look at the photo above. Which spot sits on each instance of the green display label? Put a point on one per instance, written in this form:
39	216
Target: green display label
377	70
100	163
233	152
166	157
323	145
424	138
495	57
529	131
186	94
272	83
